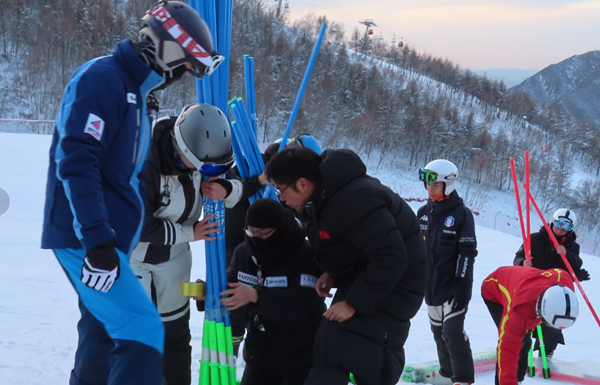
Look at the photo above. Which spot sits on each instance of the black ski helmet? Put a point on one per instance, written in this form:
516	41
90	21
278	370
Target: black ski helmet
180	35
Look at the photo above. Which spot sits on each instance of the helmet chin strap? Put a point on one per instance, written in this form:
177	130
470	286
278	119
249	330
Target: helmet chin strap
146	51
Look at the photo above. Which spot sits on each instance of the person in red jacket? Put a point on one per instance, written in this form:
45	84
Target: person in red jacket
520	298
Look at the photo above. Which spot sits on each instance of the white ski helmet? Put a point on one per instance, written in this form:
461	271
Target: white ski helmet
564	219
558	307
440	170
203	136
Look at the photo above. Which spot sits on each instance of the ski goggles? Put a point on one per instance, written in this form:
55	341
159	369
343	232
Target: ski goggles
194	52
211	170
563	223
428	176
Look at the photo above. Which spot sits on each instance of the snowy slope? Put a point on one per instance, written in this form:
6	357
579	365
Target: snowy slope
38	307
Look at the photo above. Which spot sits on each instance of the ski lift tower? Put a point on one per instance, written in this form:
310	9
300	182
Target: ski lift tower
369	23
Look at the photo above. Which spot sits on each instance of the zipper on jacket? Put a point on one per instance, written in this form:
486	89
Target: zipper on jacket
137	135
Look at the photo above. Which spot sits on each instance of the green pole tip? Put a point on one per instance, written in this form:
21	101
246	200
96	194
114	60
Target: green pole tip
251	58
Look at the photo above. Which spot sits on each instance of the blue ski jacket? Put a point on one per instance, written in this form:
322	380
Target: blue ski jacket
95	190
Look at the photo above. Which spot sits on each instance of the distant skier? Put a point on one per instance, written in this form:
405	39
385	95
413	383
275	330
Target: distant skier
449	231
519	299
544	256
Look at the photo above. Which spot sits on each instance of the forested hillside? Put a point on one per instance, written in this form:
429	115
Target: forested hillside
411	112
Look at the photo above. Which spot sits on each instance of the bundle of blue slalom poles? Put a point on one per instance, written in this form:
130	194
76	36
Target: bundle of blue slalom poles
217	366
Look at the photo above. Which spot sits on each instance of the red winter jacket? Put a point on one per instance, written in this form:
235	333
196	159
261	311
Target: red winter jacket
517	288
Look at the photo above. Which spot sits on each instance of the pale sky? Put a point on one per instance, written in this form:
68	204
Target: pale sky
476	34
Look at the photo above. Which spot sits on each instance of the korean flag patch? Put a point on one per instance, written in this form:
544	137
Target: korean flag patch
94	126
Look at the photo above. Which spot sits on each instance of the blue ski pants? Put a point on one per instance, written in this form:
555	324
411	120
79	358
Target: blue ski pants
121	335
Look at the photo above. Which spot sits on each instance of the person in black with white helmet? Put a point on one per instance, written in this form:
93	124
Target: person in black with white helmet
544	256
272	276
184	149
449	231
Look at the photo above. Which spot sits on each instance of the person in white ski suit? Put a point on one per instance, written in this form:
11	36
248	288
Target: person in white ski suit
163	259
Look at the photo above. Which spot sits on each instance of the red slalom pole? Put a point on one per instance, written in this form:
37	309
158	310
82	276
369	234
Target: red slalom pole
527	209
516	184
555	243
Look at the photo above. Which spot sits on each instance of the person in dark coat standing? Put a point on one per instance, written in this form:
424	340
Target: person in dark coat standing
449	231
367	240
544	256
273	277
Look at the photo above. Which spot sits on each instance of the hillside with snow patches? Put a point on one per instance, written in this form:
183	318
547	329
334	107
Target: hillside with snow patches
572	84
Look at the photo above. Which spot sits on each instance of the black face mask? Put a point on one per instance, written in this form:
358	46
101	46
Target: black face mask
260	244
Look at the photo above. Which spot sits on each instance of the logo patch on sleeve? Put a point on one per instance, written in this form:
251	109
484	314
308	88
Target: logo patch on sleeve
94	126
131	98
308	280
276	282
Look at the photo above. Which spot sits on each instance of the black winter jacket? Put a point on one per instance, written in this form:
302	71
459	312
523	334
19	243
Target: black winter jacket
544	255
283	323
368	238
449	232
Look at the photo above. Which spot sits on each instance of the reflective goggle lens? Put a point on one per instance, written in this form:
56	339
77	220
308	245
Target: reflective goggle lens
211	170
216	62
428	176
563	223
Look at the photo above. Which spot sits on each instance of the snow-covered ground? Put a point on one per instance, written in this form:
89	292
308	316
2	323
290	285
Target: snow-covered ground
38	307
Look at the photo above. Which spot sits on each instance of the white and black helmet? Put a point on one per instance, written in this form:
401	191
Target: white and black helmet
180	35
203	136
440	170
564	219
558	307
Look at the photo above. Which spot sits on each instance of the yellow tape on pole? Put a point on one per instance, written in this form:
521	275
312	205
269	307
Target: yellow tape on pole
192	289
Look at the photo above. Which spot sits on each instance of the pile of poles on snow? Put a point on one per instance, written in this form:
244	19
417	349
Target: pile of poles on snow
526	234
217	366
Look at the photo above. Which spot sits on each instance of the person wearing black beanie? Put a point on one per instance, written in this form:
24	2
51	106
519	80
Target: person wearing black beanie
272	280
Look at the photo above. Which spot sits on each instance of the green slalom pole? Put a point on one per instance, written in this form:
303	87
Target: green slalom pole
531	371
543	352
204	368
214	360
223	365
229	350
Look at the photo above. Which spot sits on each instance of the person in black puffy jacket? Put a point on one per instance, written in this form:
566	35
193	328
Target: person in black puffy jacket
367	240
273	277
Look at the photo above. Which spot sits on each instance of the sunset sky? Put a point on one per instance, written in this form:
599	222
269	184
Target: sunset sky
476	34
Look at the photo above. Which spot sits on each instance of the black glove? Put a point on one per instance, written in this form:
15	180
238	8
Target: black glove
582	275
459	295
101	268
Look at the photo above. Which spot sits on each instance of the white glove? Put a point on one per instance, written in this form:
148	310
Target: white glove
100	268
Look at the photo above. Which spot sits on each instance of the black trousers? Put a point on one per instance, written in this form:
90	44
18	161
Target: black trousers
453	346
496	310
177	359
258	375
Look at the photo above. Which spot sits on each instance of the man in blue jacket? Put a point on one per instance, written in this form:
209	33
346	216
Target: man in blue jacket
95	195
